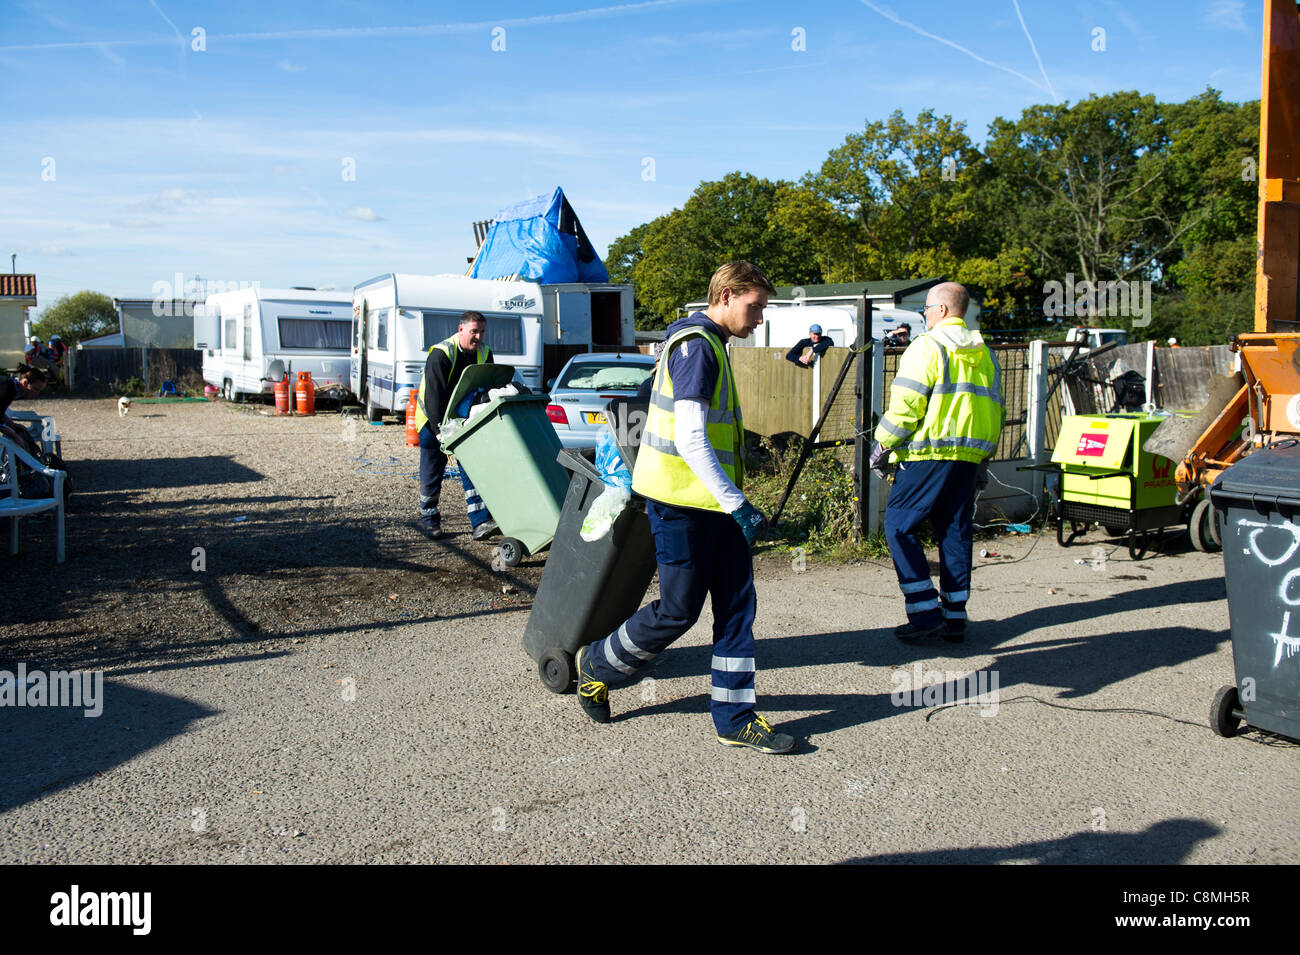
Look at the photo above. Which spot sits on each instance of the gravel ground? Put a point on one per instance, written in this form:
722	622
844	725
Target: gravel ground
327	685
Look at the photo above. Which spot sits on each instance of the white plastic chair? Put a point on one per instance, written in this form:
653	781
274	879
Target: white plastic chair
51	440
14	507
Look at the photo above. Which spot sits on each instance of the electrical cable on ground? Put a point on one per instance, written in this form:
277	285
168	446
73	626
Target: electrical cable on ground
1270	739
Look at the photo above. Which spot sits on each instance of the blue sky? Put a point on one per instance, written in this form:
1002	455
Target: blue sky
132	156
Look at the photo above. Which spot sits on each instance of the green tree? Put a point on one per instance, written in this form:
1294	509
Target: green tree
732	218
905	187
1101	189
77	317
621	260
1213	184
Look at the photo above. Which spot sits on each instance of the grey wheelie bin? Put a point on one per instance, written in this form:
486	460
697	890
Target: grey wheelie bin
1260	500
509	450
590	587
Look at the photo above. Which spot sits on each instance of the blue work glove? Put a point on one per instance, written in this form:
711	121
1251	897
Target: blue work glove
751	521
879	461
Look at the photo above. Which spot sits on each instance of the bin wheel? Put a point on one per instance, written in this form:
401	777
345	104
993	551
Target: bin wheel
1137	544
511	551
1223	712
556	670
1202	528
1216	527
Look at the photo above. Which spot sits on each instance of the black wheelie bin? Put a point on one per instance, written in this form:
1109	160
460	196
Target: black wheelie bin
1260	500
589	588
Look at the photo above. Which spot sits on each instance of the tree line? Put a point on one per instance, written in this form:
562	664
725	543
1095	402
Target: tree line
1115	188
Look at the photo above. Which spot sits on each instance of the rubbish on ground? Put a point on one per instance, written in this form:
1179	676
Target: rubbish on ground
241	517
1019	528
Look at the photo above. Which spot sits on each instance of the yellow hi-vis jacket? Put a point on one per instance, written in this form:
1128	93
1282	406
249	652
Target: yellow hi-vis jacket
450	348
661	473
946	401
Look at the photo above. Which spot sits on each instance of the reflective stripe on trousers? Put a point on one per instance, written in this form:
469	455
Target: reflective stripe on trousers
701	555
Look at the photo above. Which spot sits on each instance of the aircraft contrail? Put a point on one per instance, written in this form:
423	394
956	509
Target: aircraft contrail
889	15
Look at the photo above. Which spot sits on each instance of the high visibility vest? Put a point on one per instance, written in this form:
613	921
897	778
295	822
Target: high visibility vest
450	348
946	400
661	473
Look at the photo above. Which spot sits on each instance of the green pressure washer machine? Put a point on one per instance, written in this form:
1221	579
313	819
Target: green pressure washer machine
1104	477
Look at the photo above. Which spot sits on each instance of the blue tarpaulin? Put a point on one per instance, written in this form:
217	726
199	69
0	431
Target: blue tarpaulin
539	240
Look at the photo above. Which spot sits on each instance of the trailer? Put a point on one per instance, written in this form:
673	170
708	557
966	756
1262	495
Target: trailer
252	337
583	317
397	318
784	325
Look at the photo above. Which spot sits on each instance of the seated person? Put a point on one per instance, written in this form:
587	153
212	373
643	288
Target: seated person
28	383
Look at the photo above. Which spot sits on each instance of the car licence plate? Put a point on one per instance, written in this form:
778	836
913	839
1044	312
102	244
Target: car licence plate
594	417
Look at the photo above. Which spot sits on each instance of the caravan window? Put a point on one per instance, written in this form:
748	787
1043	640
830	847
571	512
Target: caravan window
317	333
504	335
230	338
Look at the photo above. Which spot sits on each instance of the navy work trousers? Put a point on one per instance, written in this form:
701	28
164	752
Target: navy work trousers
701	554
432	463
943	493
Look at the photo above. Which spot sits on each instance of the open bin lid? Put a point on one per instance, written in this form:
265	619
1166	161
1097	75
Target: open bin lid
1094	441
474	378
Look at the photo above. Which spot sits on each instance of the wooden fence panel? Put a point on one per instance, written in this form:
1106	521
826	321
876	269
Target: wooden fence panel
775	396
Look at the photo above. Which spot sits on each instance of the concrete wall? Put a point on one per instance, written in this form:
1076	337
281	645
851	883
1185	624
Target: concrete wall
12	342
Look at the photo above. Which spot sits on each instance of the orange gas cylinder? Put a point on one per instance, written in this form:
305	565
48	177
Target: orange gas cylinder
282	396
412	435
306	393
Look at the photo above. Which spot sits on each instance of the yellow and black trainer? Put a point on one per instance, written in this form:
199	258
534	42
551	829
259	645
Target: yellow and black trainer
592	694
758	734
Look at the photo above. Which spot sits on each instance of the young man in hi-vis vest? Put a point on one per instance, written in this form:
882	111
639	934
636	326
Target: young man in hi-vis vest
690	467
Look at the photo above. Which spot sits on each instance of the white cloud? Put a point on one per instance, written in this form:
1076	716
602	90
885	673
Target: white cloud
1225	14
363	214
291	67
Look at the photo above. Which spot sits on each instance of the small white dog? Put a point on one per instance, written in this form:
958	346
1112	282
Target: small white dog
123	406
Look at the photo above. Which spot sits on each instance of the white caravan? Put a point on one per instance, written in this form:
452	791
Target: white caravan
396	319
786	325
252	337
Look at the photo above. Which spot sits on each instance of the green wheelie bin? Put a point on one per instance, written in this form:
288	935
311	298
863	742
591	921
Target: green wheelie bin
508	448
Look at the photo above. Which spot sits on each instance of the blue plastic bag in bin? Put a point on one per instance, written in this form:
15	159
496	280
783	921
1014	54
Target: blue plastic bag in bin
609	462
618	490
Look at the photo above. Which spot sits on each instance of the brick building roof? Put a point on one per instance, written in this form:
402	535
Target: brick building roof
23	286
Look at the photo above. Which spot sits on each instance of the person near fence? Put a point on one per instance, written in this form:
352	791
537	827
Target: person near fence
806	352
443	367
944	418
690	467
900	337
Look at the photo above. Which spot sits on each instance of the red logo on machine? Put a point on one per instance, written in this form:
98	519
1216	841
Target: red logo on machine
1158	469
1092	445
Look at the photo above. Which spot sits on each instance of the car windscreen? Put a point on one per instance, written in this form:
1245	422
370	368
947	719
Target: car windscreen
604	376
504	335
318	333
